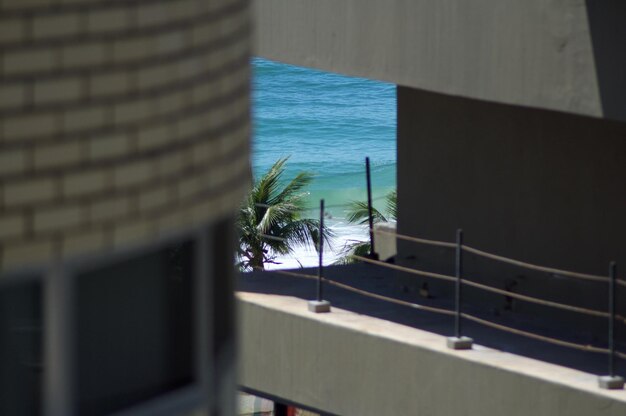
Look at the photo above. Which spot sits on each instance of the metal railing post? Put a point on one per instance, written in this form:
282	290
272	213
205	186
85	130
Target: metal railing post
320	270
458	288
373	254
458	342
320	305
611	338
612	381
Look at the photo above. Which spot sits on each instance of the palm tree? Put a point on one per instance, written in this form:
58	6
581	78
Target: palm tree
358	213
270	220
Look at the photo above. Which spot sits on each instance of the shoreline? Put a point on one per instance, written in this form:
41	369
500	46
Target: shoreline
335	219
307	256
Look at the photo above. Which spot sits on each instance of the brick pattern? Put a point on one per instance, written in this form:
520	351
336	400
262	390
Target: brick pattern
120	122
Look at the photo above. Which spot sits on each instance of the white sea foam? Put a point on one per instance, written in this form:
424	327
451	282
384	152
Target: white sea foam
307	256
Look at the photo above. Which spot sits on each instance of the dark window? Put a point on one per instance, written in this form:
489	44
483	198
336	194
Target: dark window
134	330
21	348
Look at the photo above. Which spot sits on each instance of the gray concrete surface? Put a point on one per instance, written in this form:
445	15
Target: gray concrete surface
385	241
394	284
567	55
534	185
350	364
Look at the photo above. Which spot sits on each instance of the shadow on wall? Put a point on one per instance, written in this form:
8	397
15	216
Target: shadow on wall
608	36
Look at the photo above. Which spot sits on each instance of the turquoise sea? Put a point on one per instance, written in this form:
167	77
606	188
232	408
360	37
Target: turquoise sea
327	124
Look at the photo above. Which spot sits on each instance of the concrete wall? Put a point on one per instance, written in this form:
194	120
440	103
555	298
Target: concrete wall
384	240
538	186
565	55
344	363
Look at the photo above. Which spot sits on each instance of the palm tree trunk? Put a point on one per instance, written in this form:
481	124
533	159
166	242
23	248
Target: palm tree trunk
256	261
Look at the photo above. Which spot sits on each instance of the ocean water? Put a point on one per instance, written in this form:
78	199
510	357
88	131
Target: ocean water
326	124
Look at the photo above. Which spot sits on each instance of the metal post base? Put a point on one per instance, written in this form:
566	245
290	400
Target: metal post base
319	306
611	382
462	343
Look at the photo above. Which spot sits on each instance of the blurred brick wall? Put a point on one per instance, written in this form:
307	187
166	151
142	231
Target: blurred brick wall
121	121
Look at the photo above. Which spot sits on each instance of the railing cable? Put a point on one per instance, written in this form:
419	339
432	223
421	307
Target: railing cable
515	331
404	269
469	249
417	240
370	294
581	347
531	266
532	299
538	301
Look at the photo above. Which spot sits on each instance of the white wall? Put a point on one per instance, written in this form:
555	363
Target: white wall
350	364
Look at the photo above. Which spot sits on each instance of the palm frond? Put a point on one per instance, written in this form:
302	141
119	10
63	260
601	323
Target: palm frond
358	212
356	248
308	230
267	185
275	215
292	189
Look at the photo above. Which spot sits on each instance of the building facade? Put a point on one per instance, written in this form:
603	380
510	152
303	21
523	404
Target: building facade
124	136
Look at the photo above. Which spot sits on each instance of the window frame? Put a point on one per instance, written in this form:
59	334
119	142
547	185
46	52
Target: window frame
58	282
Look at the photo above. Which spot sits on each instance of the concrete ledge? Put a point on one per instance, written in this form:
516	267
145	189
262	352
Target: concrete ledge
345	363
385	240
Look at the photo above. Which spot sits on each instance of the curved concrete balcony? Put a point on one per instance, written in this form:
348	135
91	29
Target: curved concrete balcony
369	357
